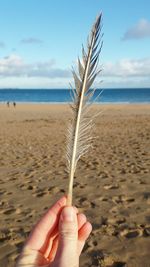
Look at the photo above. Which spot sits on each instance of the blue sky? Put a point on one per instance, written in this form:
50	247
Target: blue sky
41	39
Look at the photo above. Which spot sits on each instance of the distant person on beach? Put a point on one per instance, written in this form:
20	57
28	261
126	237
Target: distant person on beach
8	104
14	104
57	239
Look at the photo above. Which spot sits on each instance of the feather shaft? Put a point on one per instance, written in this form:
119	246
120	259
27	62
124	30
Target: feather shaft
80	128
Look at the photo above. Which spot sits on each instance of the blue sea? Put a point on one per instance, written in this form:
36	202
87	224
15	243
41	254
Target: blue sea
63	95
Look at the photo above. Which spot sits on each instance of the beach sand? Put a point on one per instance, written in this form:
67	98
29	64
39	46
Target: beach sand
112	182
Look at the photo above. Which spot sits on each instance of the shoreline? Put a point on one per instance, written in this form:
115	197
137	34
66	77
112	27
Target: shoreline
58	108
55	111
66	103
118	104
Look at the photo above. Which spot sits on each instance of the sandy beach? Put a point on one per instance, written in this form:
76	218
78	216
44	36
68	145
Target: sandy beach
112	183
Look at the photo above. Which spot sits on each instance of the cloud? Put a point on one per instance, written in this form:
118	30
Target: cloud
15	66
126	73
139	31
31	40
126	68
16	72
2	44
125	83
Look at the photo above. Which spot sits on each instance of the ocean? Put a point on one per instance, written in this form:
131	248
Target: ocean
127	96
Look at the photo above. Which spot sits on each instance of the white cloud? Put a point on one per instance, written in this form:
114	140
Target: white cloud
33	82
15	66
127	68
124	83
15	72
138	31
31	40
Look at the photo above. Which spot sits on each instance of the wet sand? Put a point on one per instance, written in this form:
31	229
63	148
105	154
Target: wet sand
112	183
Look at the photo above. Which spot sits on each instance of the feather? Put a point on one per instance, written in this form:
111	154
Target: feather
79	130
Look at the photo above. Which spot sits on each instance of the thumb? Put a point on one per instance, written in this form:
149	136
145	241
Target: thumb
67	254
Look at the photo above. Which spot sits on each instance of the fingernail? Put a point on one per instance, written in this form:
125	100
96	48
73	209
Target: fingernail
68	214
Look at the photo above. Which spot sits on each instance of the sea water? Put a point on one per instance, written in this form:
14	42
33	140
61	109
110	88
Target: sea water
140	95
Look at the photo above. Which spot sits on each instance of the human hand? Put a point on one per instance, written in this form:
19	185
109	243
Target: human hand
57	239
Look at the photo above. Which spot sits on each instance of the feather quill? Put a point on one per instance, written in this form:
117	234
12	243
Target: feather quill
79	130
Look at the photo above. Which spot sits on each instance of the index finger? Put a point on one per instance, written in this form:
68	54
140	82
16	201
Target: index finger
40	234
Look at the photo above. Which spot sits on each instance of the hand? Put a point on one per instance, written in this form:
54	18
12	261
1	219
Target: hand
57	239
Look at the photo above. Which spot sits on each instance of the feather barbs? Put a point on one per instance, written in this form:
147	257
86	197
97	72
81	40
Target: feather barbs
79	130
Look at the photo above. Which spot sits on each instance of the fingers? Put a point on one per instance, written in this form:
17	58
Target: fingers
53	245
52	239
50	242
81	220
73	232
84	231
39	237
68	238
52	252
83	235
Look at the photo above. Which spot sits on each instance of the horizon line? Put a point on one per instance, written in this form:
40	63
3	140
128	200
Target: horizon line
107	88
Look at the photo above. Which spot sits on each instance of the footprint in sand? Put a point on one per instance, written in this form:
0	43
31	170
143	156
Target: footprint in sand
146	231
9	193
47	191
146	195
13	179
9	211
122	171
53	189
104	199
110	186
82	186
92	204
27	186
2	192
122	199
131	233
92	243
4	235
117	199
62	190
103	175
111	230
123	180
76	184
83	201
117	220
30	187
100	258
2	182
40	194
2	203
36	165
114	210
142	182
127	199
119	264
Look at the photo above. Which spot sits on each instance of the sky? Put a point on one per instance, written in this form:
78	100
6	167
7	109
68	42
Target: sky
40	41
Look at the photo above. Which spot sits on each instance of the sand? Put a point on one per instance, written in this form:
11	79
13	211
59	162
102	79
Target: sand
112	182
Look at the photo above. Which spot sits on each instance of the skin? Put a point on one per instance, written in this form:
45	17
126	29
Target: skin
57	239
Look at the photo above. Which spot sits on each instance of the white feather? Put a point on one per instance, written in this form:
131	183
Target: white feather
79	130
